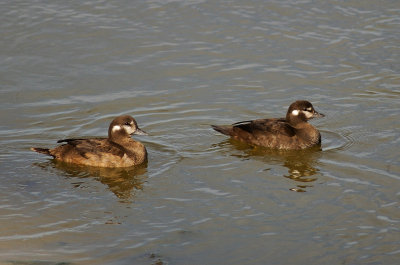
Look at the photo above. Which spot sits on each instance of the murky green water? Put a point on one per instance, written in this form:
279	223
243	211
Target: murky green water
68	68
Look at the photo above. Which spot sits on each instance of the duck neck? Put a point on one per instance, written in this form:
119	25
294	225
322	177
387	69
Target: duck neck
119	138
296	121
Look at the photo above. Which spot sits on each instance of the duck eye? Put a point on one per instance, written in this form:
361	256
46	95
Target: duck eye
128	123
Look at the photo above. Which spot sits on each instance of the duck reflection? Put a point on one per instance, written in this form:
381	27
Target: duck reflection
123	182
300	163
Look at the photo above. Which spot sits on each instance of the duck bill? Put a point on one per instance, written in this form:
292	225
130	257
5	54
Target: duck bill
140	132
318	115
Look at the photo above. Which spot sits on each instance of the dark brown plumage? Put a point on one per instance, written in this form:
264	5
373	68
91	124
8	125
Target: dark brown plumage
118	150
290	133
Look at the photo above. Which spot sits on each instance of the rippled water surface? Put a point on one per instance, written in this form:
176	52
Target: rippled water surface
69	67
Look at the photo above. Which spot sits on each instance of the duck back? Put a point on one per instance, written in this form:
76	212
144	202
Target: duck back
100	152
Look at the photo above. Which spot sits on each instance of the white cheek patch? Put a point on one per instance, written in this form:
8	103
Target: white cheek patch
116	128
308	114
128	129
295	112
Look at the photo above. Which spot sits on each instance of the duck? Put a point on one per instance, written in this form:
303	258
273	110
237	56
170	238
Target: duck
290	133
118	150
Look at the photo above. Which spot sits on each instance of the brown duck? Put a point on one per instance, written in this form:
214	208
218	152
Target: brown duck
118	150
290	133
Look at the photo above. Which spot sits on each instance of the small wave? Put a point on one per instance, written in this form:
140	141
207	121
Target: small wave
332	141
212	191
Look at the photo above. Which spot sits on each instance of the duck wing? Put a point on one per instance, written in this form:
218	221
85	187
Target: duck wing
260	126
93	146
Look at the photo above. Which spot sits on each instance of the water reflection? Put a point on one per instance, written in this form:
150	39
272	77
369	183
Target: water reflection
300	163
123	182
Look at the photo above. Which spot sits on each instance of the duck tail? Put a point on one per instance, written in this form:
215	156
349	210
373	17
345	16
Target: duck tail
227	130
44	151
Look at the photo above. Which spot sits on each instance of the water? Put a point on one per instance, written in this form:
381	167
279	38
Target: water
68	68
